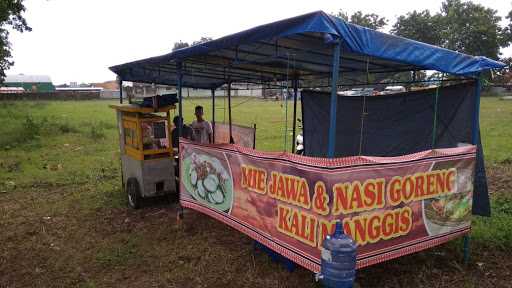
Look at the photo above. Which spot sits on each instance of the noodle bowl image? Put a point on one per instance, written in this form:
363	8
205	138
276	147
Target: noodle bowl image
208	181
446	212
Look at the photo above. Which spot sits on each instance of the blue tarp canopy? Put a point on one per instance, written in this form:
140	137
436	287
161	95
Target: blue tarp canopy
299	47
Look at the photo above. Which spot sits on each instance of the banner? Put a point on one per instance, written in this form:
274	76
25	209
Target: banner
243	136
391	206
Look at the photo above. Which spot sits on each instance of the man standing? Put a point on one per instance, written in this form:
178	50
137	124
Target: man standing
201	129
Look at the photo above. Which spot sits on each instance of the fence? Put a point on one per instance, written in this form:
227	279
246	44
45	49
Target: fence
67	95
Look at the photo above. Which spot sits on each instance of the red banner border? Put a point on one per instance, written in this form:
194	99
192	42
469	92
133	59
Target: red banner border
337	163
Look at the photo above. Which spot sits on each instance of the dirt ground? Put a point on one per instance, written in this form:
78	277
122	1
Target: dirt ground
48	240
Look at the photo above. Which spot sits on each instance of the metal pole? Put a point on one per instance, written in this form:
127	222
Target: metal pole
180	96
475	134
285	116
231	140
334	99
476	112
179	84
254	137
413	80
169	132
120	91
213	115
294	127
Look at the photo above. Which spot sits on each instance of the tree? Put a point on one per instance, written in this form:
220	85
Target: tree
420	26
471	28
504	76
10	16
179	45
372	20
507	32
202	40
461	26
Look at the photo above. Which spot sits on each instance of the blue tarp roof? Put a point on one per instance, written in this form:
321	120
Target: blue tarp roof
298	47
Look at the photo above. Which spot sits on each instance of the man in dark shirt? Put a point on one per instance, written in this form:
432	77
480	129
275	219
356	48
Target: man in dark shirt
186	132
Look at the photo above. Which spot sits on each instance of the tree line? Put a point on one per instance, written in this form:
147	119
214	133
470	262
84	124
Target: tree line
462	26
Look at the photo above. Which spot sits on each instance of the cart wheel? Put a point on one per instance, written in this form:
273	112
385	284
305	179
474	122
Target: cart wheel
133	193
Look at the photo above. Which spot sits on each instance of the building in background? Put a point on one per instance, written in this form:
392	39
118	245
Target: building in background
79	89
110	89
105	90
107	85
30	83
12	90
140	90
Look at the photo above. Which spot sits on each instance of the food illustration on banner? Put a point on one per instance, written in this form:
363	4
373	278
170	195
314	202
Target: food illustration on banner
453	210
207	179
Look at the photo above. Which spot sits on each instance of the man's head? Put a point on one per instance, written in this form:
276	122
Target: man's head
199	112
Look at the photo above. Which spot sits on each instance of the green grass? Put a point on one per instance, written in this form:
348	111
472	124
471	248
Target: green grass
496	129
269	117
70	142
496	231
55	143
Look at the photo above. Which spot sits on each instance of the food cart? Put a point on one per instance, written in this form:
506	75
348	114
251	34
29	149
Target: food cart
147	156
400	183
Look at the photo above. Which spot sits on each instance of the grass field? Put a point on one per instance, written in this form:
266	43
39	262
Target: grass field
64	221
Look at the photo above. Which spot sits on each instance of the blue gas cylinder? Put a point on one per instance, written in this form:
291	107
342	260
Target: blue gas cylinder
338	260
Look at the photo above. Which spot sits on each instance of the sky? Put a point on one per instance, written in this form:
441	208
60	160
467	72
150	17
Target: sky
77	40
